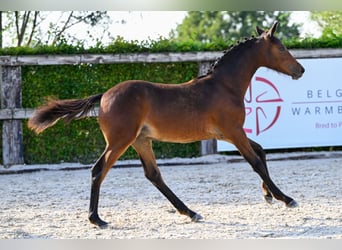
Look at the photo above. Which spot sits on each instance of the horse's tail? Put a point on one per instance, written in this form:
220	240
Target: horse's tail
67	110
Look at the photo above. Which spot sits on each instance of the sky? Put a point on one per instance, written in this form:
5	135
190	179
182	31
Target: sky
154	24
148	25
137	25
309	27
144	25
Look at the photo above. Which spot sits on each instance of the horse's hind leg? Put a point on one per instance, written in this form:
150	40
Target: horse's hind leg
260	152
143	147
98	173
96	180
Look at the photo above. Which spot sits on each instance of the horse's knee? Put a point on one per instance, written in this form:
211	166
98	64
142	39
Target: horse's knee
259	167
259	150
258	146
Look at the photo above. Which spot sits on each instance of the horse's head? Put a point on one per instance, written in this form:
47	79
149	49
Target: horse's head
276	56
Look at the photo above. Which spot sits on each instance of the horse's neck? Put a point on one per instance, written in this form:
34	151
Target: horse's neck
236	71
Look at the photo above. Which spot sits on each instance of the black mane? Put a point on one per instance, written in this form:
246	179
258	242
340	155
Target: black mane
229	52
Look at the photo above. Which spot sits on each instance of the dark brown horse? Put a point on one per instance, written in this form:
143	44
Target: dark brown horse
134	113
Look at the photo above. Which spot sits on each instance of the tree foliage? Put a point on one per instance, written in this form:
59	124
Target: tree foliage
29	28
209	26
329	21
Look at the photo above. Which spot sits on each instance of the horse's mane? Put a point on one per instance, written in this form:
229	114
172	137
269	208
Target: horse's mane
233	50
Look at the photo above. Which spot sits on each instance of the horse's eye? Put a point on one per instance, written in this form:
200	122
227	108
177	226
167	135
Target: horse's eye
282	48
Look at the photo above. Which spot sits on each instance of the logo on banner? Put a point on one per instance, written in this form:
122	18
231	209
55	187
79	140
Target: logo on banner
266	101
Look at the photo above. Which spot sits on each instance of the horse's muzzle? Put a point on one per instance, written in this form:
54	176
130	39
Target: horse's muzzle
297	71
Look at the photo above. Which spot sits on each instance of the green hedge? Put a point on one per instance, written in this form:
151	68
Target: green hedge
162	45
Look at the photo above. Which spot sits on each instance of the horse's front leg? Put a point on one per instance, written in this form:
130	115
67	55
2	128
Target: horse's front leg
245	147
261	153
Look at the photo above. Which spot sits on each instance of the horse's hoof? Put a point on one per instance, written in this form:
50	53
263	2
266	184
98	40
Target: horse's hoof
98	222
268	199
101	224
292	204
196	218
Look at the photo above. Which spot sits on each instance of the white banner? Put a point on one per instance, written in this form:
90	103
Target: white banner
286	113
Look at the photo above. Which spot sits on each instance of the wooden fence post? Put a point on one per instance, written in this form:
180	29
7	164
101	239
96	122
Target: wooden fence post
207	146
12	131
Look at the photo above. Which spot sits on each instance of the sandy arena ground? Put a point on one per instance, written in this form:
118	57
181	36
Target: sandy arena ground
53	204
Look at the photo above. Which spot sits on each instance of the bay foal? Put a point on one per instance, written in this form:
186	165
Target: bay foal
134	113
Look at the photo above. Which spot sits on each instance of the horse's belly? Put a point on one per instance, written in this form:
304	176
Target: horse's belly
177	134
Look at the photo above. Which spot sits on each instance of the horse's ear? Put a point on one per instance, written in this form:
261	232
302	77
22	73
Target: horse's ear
273	29
259	31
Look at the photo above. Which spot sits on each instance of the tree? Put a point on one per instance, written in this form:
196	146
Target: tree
329	21
29	28
22	26
208	26
57	32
